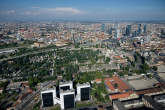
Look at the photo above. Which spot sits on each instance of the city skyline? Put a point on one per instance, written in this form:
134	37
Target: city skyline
82	10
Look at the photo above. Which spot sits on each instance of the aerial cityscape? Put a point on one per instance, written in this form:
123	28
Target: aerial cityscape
82	55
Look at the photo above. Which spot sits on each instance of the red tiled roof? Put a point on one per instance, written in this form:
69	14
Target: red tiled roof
110	82
121	95
118	57
97	80
110	86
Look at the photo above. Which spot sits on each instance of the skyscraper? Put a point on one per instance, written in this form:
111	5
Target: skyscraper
139	29
145	29
67	99
110	31
128	30
103	27
83	92
47	97
65	95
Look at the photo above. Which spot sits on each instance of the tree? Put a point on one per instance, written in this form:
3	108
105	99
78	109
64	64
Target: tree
116	85
33	81
135	57
107	60
155	68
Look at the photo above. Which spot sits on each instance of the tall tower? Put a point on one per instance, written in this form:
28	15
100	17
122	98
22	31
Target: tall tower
128	30
145	29
103	27
139	29
118	33
67	99
83	92
48	97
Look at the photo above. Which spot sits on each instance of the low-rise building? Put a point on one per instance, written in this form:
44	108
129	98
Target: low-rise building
115	84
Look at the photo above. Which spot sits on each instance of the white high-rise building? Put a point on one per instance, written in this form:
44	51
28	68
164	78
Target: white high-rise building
66	85
118	33
83	92
48	97
67	99
65	95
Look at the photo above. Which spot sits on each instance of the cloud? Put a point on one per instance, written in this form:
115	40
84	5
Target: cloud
68	10
39	12
7	12
35	7
59	11
31	13
10	12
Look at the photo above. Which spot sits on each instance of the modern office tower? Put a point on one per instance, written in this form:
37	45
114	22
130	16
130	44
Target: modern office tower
103	27
145	28
134	34
64	95
83	92
67	99
139	29
48	97
110	31
118	33
128	30
68	85
73	36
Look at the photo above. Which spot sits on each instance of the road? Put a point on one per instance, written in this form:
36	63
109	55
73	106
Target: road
40	51
26	54
13	48
30	53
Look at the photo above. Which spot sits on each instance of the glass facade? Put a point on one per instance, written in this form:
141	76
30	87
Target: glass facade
69	101
85	93
47	99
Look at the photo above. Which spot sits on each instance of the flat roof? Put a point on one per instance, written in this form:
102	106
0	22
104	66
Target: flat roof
142	83
65	82
119	105
148	91
84	84
162	75
67	91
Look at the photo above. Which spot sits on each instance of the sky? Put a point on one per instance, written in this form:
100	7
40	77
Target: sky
82	9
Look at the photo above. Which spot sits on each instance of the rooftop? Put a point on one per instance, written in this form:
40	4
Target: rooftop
155	105
65	82
119	105
161	69
67	91
148	91
121	95
162	75
116	83
84	84
142	83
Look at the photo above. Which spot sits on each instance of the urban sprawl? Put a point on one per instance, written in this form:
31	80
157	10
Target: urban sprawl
101	65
